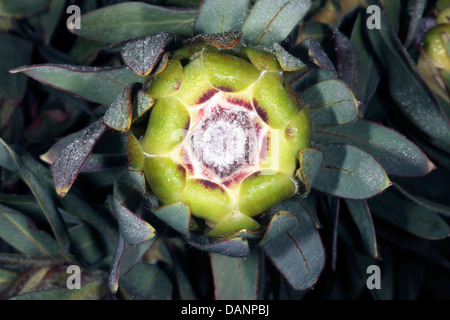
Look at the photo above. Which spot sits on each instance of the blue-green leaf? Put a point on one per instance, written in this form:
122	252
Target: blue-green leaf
101	85
310	162
349	172
407	87
271	21
176	215
297	252
235	278
22	164
217	16
71	159
330	103
234	247
20	232
360	214
18	9
133	228
407	215
396	153
141	55
130	20
146	282
15	52
125	258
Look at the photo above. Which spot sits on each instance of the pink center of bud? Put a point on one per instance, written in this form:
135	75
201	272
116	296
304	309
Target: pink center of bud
224	140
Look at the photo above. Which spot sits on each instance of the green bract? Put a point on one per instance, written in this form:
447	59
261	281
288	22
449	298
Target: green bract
224	135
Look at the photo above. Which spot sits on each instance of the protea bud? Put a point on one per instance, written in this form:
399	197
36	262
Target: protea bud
224	135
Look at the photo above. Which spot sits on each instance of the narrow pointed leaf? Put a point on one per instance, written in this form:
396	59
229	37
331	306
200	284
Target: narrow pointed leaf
297	253
142	54
396	153
15	52
349	172
217	16
130	20
405	214
360	213
424	202
235	278
69	162
23	165
415	9
271	21
101	85
176	215
18	231
18	9
370	71
330	102
407	87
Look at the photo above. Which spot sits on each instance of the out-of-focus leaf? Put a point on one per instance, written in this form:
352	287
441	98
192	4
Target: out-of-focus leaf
15	52
146	282
93	290
23	165
176	215
420	246
69	162
429	204
417	220
415	10
361	216
235	278
101	85
369	70
141	55
129	20
271	21
217	16
18	9
349	172
49	19
407	87
348	63
298	252
20	232
396	153
330	102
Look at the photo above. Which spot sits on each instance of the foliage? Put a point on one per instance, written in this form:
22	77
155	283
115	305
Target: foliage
375	181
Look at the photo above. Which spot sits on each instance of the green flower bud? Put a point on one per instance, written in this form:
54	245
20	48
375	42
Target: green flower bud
224	135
